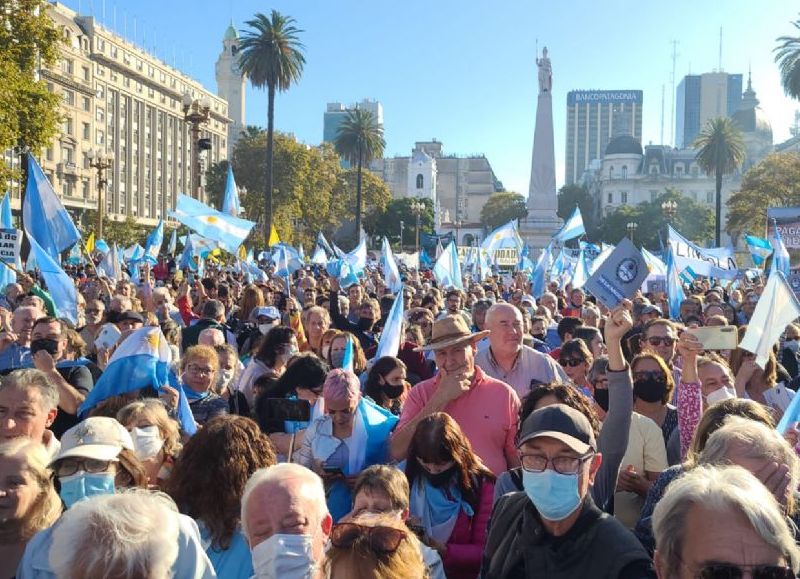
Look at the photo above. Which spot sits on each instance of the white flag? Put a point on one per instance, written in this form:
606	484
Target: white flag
777	308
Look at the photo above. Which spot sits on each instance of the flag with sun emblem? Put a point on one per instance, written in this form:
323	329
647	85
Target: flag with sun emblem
228	231
140	361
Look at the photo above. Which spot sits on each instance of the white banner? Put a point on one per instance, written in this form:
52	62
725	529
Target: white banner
410	260
10	241
716	262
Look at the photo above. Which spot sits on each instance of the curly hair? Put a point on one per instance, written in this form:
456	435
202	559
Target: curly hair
211	472
565	394
438	439
154	410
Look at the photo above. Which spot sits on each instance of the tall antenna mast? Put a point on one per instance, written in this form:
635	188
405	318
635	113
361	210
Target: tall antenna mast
720	49
672	110
661	142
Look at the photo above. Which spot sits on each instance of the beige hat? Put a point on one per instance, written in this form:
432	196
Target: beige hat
98	437
449	331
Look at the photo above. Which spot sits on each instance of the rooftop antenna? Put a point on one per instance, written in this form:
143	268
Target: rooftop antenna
662	114
720	49
672	110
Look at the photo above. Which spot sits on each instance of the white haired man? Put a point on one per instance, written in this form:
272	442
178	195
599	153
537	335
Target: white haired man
28	407
286	522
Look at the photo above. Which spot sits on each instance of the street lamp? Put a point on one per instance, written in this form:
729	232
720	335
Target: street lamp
101	161
669	209
417	208
196	112
631	227
402	225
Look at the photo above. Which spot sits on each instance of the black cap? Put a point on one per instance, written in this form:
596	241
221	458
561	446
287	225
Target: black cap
130	315
561	422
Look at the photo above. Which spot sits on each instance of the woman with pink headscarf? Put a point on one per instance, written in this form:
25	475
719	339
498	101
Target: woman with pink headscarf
352	435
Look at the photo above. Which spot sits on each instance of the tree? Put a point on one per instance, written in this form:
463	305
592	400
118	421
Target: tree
29	113
124	233
271	55
774	182
721	151
359	141
571	196
375	195
503	207
787	55
387	221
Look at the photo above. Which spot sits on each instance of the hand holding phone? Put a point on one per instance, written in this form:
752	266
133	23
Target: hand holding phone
716	337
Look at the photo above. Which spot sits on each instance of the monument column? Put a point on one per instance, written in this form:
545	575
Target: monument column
542	221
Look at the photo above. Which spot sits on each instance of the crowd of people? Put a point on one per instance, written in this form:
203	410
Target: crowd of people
509	436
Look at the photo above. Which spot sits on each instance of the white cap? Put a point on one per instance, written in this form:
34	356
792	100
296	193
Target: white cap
98	437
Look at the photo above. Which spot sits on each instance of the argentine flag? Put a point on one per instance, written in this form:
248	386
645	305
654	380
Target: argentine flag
572	228
153	244
505	236
390	270
447	268
140	361
357	259
760	249
780	259
7	276
228	231
230	204
391	336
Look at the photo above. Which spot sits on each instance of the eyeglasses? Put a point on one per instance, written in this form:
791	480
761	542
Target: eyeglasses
571	361
561	464
658	340
648	375
69	466
380	540
199	370
729	571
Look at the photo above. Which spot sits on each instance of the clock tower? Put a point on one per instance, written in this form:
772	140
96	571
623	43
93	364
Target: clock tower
231	84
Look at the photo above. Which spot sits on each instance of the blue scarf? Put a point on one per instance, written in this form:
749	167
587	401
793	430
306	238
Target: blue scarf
193	396
437	508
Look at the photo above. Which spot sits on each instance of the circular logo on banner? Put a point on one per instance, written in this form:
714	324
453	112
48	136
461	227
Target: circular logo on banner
627	270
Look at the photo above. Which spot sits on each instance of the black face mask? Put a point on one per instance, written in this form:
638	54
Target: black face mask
540	336
650	390
365	324
112	317
393	391
601	397
441	479
47	344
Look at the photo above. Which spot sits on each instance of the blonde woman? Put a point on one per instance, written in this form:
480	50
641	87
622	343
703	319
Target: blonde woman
156	438
28	499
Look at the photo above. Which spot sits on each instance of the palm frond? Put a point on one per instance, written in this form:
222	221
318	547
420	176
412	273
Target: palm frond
360	135
271	54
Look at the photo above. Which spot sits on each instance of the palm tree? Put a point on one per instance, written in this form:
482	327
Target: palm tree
359	141
271	55
787	55
720	151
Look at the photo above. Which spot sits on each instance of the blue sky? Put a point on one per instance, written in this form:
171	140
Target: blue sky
464	71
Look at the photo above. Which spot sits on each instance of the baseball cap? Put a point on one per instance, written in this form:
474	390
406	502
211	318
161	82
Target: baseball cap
650	309
130	315
98	437
561	422
270	312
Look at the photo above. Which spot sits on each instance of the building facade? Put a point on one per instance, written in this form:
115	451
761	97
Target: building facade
702	97
335	113
593	119
119	99
231	84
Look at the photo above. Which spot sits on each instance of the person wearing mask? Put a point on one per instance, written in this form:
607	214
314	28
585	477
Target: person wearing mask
230	368
352	435
553	528
759	384
451	494
208	482
200	366
338	347
479	309
507	359
29	504
156	438
368	312
660	337
653	389
386	384
28	408
276	349
15	339
286	522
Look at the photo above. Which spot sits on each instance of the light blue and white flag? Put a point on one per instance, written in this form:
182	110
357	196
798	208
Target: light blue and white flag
484	264
59	284
228	231
780	259
717	262
230	203
357	259
390	271
581	273
776	308
101	246
505	236
675	293
572	228
153	244
187	257
319	257
7	276
44	217
539	275
323	243
141	360
392	334
173	243
604	253
75	256
447	269
348	358
760	249
110	267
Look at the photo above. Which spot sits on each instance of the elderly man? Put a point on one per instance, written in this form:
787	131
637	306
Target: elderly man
722	522
286	522
15	342
484	407
553	528
212	315
507	359
28	407
660	336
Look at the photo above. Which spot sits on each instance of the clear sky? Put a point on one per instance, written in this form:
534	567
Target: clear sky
463	72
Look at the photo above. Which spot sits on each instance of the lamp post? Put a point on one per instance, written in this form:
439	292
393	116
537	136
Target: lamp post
631	227
417	208
402	225
669	208
196	112
101	161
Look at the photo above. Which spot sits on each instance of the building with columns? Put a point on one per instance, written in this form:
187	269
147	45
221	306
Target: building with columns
231	84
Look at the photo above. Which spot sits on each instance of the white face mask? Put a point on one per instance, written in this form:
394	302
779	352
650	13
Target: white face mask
147	441
720	394
284	557
224	378
264	328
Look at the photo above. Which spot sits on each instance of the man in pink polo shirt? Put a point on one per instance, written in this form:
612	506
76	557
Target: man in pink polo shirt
485	408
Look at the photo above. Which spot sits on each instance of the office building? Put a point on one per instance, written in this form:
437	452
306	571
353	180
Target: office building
594	117
335	113
702	97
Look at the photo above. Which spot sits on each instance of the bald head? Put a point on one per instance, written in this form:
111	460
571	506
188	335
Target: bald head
211	337
505	323
22	323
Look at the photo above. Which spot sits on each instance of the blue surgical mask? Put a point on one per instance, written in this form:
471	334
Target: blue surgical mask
555	495
83	485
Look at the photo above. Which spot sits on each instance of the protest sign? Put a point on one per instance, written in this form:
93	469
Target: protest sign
10	241
619	276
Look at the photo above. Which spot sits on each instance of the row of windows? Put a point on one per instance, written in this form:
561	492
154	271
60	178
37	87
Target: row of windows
708	196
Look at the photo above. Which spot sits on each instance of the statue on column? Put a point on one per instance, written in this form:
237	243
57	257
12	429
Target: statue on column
545	72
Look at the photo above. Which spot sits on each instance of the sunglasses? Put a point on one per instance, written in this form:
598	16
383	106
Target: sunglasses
657	340
728	571
648	375
572	362
380	540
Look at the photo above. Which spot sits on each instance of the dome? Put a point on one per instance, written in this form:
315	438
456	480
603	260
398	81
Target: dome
753	121
231	33
624	145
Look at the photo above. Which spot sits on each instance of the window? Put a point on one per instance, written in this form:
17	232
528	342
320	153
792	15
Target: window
67	66
709	197
654	169
69	97
624	194
611	197
611	172
695	171
86	134
101	93
624	173
100	114
101	137
67	127
66	188
86	73
420	181
86	162
85	189
49	154
86	104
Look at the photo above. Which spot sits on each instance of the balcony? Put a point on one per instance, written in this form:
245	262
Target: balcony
68	169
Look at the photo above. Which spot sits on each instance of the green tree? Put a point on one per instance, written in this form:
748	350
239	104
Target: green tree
374	192
773	182
359	141
503	207
787	55
720	151
126	233
387	221
271	55
571	196
29	113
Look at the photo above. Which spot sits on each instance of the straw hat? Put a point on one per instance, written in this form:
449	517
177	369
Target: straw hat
450	331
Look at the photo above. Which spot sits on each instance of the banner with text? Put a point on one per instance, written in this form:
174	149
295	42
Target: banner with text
717	262
788	221
10	241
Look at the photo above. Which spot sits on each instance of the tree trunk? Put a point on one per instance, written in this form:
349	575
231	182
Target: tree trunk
270	137
718	209
358	196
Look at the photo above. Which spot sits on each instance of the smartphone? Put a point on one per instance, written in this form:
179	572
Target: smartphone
108	337
716	337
